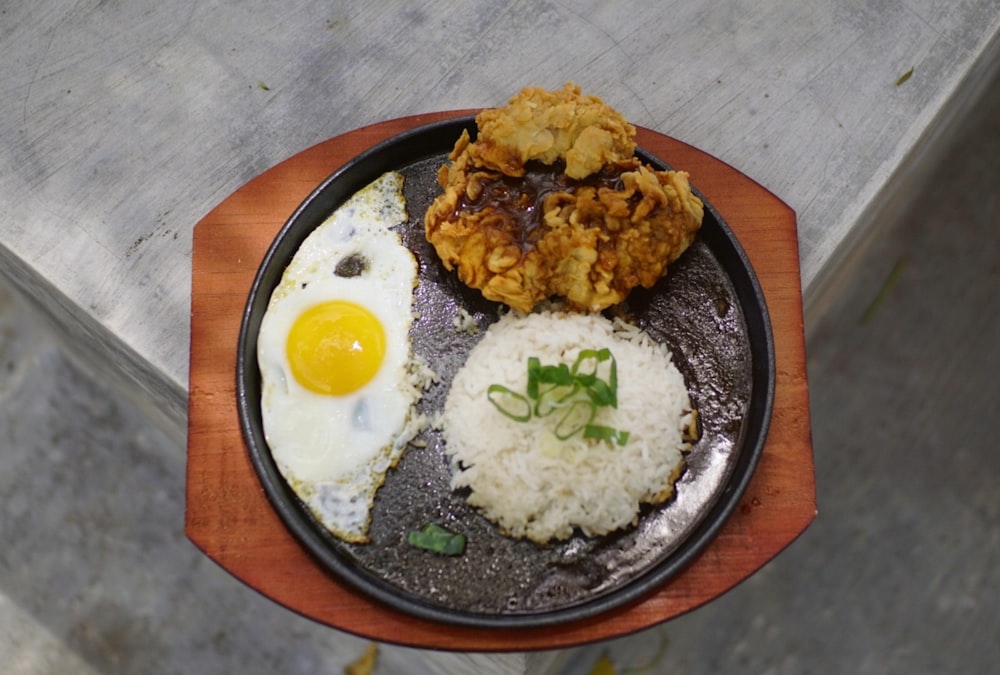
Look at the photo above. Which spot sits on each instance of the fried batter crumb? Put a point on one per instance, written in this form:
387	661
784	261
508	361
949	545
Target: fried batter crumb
548	126
549	201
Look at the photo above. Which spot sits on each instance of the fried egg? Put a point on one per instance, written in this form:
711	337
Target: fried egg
339	382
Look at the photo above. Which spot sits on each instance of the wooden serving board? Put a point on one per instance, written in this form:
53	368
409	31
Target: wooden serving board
229	518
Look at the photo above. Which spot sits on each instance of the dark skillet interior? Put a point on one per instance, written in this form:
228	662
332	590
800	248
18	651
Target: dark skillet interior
709	311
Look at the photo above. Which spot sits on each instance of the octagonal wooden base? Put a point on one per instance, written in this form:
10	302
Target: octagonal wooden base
230	519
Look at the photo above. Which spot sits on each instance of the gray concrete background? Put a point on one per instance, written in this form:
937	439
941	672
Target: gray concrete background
900	573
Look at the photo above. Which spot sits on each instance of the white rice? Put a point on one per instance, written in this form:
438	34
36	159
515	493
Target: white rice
531	483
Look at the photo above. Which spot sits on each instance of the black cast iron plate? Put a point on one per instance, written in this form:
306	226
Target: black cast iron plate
709	310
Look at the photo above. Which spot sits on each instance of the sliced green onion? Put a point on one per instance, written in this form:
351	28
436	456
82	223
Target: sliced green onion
602	395
539	375
579	414
510	403
534	367
558	375
598	356
609	434
437	539
576	392
613	382
554	398
602	391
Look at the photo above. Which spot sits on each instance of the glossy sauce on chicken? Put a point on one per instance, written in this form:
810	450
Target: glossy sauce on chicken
550	202
520	200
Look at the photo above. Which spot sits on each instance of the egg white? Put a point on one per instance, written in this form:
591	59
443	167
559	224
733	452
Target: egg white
334	451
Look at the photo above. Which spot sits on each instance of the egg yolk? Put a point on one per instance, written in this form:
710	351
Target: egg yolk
335	348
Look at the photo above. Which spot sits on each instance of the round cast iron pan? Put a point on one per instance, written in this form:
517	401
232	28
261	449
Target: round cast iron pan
709	310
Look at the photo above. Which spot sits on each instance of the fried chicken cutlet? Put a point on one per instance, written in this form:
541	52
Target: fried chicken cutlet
549	201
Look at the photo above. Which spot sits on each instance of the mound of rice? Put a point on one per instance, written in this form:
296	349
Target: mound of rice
530	483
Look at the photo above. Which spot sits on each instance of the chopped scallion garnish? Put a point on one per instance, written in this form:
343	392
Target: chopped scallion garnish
573	392
437	539
608	434
578	415
510	403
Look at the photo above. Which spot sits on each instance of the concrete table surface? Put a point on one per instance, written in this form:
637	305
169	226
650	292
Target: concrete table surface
123	123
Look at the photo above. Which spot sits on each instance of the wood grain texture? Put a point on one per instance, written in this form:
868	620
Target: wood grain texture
230	519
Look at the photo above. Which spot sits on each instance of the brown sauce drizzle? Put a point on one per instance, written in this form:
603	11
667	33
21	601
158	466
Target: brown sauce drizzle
521	198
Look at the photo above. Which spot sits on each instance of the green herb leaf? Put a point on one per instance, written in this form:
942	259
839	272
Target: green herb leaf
904	77
437	539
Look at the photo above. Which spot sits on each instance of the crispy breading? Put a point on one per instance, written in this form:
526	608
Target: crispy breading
548	126
518	226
